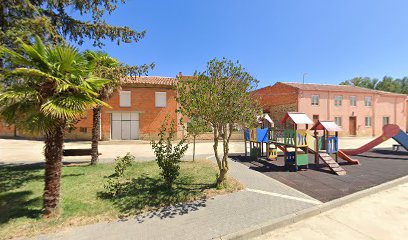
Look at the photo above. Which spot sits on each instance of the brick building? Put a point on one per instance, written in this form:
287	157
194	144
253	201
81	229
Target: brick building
137	111
359	111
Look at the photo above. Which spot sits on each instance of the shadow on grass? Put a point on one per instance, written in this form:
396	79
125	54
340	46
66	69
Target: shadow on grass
14	176
15	201
148	193
18	204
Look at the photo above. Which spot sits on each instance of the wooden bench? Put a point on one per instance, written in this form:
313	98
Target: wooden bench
396	147
78	152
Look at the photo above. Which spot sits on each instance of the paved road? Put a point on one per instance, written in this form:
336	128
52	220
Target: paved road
380	216
27	151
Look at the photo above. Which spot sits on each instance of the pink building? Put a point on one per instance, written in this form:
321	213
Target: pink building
359	111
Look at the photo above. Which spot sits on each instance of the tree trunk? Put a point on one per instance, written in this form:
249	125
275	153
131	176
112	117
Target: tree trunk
194	138
221	177
215	147
54	143
226	136
96	133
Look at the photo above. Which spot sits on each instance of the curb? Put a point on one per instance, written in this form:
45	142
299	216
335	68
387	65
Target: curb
268	226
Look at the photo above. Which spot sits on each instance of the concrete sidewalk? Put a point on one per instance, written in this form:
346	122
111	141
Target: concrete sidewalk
263	200
383	215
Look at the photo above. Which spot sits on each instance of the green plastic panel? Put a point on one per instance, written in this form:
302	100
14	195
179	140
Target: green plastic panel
255	152
302	159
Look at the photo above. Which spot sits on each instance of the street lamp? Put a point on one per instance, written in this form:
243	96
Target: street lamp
304	74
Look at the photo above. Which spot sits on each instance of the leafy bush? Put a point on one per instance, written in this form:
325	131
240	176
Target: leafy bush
113	185
167	156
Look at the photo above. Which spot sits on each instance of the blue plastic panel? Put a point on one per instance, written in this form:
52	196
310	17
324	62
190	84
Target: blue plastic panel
332	145
402	138
262	134
247	134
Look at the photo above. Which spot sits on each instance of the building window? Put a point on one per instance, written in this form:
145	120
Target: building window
125	98
315	100
353	101
315	118
338	101
386	120
83	130
367	101
368	121
338	121
161	99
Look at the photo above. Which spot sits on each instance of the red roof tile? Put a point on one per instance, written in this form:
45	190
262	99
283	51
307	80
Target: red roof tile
150	80
339	88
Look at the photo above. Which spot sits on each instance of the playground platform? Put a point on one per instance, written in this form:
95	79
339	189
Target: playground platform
377	166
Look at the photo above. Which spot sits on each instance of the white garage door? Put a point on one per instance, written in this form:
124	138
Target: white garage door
125	126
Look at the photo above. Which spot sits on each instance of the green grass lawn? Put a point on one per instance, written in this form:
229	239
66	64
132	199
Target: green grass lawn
82	194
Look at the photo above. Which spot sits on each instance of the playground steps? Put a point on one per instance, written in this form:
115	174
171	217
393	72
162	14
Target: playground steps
333	165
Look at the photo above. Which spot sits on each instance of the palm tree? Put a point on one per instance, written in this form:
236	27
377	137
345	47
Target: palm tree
52	88
109	68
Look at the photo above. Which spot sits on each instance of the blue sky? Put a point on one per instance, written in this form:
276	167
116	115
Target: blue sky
331	40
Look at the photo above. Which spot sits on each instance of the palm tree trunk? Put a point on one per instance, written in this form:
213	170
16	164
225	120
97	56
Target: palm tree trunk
54	143
96	133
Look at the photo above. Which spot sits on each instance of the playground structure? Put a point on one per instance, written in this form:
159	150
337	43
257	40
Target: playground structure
257	138
327	146
329	141
389	131
293	140
296	142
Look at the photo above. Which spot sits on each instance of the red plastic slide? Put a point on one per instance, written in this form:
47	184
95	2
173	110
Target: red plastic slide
281	148
389	131
345	157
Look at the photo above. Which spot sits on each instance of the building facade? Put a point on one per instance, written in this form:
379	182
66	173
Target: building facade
136	112
359	111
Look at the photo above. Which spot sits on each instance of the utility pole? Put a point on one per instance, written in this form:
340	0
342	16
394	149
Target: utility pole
304	74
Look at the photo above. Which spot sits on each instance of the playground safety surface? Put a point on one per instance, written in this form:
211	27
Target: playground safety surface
376	167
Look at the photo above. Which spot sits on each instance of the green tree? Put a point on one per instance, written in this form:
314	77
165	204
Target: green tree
111	69
53	88
387	84
221	97
364	82
195	127
404	85
53	20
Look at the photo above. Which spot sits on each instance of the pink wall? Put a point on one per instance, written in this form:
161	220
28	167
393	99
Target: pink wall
382	106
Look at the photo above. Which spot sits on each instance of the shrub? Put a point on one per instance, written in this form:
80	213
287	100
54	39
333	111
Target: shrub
167	156
113	185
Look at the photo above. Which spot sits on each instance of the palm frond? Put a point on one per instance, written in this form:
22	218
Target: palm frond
35	53
15	57
31	72
55	84
96	83
17	94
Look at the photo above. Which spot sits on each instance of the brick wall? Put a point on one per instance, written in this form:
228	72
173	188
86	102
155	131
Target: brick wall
277	112
143	102
277	100
6	130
